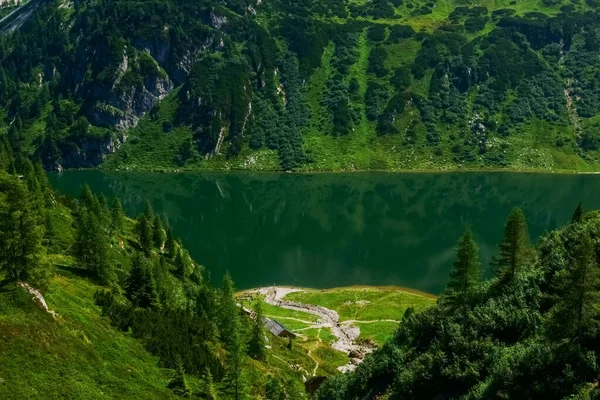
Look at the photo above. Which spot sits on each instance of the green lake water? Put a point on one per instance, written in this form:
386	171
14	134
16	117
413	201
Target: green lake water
328	230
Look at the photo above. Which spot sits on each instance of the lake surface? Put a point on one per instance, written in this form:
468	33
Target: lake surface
328	230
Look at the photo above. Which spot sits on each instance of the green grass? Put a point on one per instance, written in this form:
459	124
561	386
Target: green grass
329	360
379	332
280	313
365	304
77	355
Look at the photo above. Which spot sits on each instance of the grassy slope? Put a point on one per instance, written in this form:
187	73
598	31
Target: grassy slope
532	148
364	303
77	355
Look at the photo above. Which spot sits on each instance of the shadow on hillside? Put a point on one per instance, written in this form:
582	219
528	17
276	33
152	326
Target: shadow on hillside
80	272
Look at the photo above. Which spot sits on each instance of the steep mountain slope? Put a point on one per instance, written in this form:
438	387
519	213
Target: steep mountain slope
531	332
304	85
95	306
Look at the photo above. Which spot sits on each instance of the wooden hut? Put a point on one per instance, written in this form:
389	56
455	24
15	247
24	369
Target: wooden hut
278	329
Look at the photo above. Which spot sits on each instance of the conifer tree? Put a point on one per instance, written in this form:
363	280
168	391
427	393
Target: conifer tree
256	345
514	249
20	231
103	203
577	314
89	201
140	287
179	265
143	229
577	214
465	274
208	391
91	245
274	390
158	234
178	383
149	212
7	159
117	216
170	246
230	328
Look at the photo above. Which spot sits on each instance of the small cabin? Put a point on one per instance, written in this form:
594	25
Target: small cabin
278	329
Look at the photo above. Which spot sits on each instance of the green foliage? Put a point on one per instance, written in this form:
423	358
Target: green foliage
465	275
145	234
514	249
140	288
91	248
117	216
256	343
178	383
21	230
532	336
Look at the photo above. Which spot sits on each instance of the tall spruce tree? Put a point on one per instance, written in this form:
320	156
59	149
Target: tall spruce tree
117	216
91	249
140	287
149	211
515	248
207	388
577	214
178	383
180	269
232	336
89	201
466	270
577	314
21	230
143	229
158	234
256	344
170	245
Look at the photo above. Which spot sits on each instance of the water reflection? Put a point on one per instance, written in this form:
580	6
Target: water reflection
328	230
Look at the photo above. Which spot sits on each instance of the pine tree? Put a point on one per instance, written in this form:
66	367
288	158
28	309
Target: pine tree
7	159
207	389
256	345
179	265
21	231
158	234
149	212
577	314
103	203
466	273
514	249
140	287
143	229
178	383
117	216
578	214
170	246
230	328
91	246
89	201
273	389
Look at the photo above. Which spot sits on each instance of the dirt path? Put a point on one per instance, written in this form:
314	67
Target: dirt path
346	333
358	321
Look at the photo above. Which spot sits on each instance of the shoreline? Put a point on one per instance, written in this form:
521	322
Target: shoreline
454	170
340	288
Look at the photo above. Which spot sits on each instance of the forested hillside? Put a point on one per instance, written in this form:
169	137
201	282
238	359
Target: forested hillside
531	332
94	305
303	85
